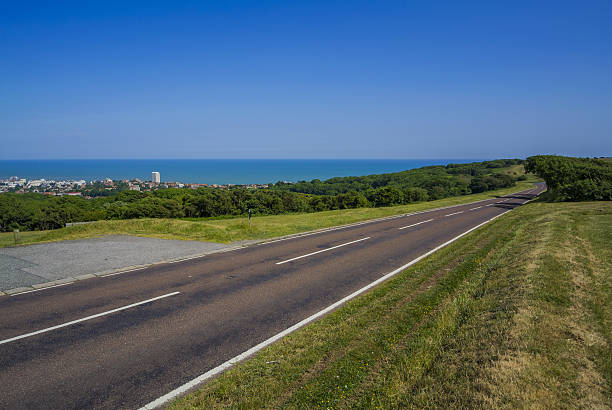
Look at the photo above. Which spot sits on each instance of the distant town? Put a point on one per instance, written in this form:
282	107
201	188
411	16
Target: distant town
102	187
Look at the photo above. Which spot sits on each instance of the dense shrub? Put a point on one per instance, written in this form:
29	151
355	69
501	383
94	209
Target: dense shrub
573	179
438	181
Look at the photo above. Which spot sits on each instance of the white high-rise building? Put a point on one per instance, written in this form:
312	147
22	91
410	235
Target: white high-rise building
155	177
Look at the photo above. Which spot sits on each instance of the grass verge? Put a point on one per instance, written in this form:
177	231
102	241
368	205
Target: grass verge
237	229
516	314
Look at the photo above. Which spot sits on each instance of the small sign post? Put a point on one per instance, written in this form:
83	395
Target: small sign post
249	219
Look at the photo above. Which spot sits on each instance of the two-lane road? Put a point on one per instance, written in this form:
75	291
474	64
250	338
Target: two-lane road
122	341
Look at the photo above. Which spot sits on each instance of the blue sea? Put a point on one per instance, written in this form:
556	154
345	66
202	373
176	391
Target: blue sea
211	171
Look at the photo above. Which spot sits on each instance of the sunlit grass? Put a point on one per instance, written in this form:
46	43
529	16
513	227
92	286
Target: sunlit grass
517	314
228	230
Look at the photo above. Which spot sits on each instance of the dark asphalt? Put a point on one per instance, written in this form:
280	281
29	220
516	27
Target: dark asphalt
227	303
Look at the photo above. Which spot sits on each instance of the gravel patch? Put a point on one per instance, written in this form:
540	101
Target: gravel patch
29	265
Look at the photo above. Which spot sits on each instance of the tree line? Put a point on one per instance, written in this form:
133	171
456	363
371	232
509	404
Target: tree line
436	181
40	212
573	179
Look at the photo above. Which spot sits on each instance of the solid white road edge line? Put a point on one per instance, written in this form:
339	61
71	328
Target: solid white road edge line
418	223
322	250
224	366
12	339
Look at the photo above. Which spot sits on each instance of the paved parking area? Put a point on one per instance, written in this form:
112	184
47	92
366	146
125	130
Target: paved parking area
33	264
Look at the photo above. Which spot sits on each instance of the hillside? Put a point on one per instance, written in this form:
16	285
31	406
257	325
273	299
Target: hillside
432	182
237	228
516	314
34	211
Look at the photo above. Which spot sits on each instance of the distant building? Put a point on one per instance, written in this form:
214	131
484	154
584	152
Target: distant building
155	177
35	183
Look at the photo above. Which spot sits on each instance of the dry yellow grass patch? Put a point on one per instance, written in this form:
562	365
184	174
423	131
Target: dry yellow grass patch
550	340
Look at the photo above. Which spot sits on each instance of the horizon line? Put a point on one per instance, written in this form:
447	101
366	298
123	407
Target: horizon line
251	159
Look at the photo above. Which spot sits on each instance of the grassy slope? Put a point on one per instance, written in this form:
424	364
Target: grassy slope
236	229
514	170
516	314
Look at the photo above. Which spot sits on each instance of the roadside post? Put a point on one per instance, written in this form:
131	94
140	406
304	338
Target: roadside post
249	219
16	236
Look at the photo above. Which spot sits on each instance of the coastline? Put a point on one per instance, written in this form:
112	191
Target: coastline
211	171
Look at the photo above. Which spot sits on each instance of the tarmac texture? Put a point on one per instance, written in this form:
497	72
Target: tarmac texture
131	340
29	265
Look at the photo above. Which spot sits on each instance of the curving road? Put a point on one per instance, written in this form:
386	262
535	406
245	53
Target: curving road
123	341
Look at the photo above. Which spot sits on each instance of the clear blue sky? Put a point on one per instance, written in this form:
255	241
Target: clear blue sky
305	79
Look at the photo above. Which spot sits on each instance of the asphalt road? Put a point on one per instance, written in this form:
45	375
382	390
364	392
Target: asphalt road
198	313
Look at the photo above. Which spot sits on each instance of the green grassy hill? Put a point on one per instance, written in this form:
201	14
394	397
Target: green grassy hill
516	314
